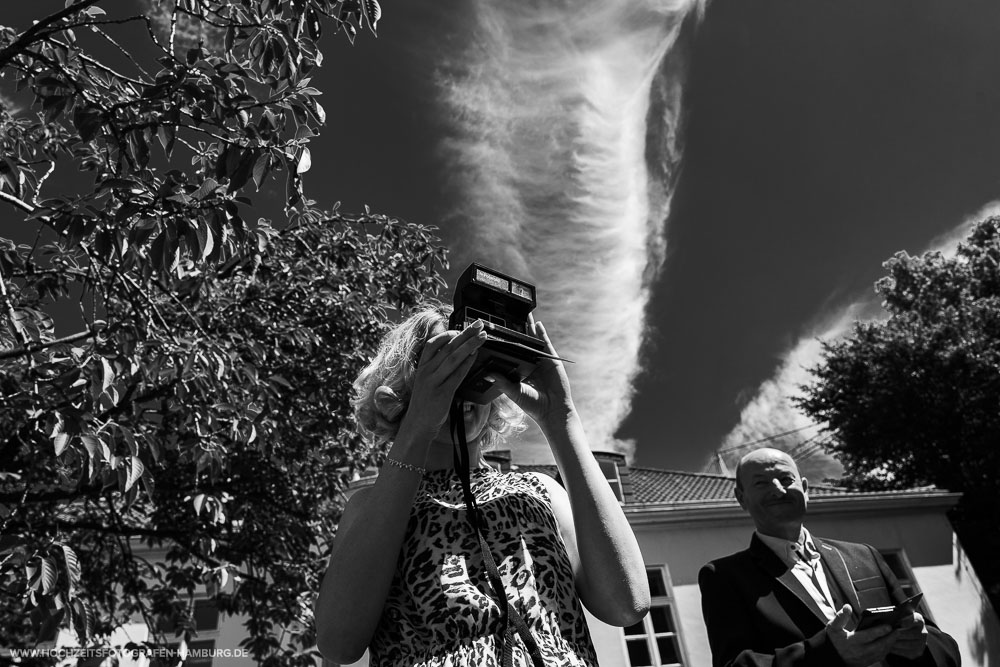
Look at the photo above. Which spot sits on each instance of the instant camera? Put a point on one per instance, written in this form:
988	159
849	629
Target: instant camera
503	304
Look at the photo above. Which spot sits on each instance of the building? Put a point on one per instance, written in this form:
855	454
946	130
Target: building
682	520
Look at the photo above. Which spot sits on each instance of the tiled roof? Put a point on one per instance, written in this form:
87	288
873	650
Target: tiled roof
651	486
671	486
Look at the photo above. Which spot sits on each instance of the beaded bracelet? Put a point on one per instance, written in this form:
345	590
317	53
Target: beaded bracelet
406	466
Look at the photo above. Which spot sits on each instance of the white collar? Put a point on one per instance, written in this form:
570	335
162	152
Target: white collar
786	550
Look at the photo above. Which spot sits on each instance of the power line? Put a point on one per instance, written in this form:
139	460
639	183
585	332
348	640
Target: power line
802	446
767	439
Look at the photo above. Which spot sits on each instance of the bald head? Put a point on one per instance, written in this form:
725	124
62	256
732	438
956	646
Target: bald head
763	456
769	487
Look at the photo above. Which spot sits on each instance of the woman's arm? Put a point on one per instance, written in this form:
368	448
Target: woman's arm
370	535
611	575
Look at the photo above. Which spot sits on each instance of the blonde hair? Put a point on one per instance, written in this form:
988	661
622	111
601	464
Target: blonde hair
382	390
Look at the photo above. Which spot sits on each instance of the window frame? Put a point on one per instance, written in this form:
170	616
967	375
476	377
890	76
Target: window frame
202	638
614	482
669	601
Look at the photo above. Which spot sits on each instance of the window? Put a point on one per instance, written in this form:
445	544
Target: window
199	653
206	615
655	640
610	470
205	619
900	566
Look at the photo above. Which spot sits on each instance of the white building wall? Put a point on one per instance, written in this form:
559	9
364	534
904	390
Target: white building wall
958	603
685	540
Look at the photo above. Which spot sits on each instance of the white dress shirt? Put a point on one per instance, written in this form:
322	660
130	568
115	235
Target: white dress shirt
802	557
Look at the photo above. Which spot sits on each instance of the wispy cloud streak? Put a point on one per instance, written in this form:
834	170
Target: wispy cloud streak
771	411
563	119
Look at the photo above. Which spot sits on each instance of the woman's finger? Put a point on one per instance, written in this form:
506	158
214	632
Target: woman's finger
439	342
539	330
507	386
434	345
451	381
461	349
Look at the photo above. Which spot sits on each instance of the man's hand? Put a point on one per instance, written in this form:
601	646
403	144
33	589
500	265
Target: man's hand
862	647
911	637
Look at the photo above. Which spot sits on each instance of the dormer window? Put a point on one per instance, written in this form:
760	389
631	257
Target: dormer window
611	473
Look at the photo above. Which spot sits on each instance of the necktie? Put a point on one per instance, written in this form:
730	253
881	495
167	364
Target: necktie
809	558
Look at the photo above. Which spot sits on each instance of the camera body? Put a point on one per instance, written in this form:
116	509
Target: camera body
503	304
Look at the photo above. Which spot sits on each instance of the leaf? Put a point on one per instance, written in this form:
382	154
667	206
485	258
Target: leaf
93	446
206	240
209	186
260	169
129	438
305	162
167	136
49	575
199	501
373	12
318	110
148	483
60	441
134	473
88	121
241	173
49	620
83	619
31	572
97	450
72	568
350	30
108	376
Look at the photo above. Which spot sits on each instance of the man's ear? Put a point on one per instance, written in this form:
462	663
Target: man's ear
805	486
738	492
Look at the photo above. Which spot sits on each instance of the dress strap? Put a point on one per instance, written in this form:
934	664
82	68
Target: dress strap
511	620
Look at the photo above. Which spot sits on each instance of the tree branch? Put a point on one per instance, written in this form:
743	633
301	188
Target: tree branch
18	203
18	332
29	36
31	348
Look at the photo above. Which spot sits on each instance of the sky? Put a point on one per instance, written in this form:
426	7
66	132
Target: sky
818	139
699	192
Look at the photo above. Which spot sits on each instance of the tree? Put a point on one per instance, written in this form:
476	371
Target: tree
915	399
202	406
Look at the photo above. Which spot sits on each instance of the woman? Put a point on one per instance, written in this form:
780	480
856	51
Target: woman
406	576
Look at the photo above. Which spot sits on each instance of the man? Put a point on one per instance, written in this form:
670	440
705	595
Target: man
792	599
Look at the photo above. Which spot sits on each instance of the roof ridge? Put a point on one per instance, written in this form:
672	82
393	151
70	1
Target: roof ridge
692	473
714	475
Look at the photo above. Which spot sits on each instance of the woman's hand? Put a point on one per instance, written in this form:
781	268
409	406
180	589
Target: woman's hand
443	364
544	395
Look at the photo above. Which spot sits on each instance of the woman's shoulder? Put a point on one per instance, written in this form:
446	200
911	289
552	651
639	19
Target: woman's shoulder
538	482
536	477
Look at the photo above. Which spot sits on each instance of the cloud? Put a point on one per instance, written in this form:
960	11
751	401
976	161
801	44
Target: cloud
770	412
563	119
184	31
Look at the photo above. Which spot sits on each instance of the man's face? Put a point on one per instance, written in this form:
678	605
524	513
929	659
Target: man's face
774	494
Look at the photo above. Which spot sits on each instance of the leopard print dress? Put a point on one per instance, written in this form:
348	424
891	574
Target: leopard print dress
440	611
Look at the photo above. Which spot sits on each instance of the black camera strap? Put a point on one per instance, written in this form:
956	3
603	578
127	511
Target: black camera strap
511	620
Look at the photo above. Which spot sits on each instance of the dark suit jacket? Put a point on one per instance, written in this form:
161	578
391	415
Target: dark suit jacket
757	613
